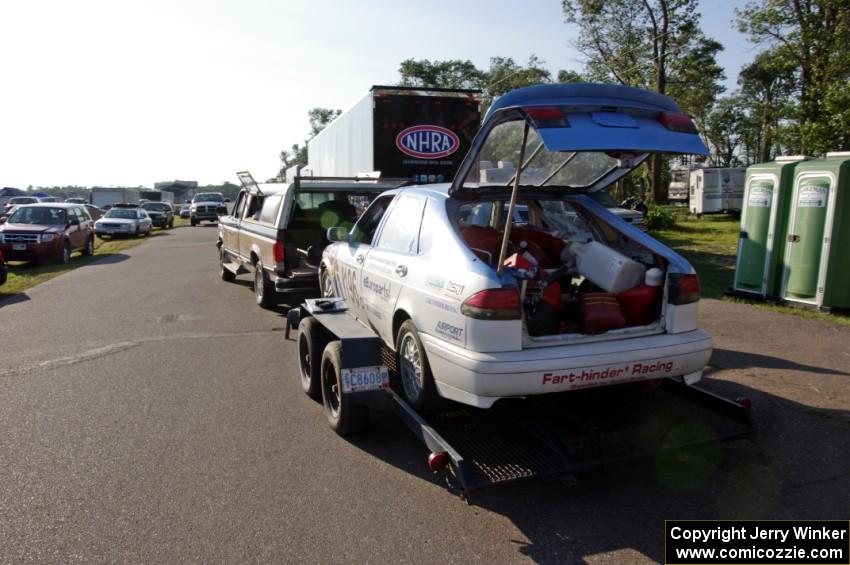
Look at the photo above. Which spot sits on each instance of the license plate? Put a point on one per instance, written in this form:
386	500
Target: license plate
358	379
19	247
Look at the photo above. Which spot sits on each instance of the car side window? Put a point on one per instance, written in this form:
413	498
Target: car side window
240	205
84	214
429	224
255	205
365	228
401	232
271	205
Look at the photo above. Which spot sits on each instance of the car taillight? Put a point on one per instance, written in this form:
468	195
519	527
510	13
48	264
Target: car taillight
493	304
279	255
677	122
683	289
547	116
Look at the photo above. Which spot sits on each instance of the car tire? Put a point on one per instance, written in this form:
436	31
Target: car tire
326	284
226	274
4	274
137	231
88	250
345	417
194	222
416	381
312	340
65	256
263	288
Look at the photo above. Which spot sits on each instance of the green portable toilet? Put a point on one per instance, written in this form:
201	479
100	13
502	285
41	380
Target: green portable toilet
817	265
764	215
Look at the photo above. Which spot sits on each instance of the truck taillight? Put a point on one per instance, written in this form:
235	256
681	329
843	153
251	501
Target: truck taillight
493	304
547	116
683	289
279	255
677	122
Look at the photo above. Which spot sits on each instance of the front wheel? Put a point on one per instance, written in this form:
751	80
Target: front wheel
417	382
194	222
65	256
345	417
326	285
263	287
226	274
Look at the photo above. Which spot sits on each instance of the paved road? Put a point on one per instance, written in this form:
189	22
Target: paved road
149	412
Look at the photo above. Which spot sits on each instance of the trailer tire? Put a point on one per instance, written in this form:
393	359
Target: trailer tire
417	382
345	417
311	343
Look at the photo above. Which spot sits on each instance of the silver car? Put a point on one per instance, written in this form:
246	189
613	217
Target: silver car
124	221
565	295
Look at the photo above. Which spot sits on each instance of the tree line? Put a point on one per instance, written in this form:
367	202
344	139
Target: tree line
792	98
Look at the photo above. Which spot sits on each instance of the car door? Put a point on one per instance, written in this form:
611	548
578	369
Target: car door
387	263
72	228
351	254
228	225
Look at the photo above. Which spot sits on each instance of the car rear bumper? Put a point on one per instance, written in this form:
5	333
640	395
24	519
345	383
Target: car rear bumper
302	282
479	379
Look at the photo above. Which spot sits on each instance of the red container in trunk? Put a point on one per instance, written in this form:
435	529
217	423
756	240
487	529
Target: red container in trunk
600	312
640	304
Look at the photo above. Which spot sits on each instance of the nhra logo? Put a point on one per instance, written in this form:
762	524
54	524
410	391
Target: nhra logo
427	142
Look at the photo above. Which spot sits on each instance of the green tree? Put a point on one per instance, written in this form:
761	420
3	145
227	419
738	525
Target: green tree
813	37
724	130
453	73
651	44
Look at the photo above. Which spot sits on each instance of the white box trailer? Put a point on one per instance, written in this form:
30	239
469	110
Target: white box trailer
108	196
402	132
715	190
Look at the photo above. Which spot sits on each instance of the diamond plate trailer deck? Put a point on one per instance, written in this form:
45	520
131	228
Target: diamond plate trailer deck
545	436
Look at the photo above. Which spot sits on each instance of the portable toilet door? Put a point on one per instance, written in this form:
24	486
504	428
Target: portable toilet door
816	273
764	216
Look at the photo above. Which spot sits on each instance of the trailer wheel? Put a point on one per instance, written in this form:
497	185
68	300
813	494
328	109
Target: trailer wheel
417	382
345	417
312	340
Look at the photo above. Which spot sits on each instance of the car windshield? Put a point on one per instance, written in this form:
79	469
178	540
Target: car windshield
156	206
497	163
38	215
604	198
123	213
208	197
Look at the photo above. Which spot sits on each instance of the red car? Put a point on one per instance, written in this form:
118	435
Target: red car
48	231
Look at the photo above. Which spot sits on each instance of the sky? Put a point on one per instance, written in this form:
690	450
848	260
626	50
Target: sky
131	92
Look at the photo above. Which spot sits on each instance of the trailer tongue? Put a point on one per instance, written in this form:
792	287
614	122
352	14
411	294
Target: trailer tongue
540	437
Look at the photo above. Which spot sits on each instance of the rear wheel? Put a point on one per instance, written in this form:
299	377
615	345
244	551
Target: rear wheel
312	340
263	288
88	250
345	417
417	382
193	221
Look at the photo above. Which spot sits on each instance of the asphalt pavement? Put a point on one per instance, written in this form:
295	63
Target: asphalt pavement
150	412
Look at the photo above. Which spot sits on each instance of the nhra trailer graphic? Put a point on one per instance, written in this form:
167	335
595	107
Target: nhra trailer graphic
402	132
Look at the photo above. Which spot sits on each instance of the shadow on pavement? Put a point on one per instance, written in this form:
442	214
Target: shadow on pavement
728	359
791	469
7	300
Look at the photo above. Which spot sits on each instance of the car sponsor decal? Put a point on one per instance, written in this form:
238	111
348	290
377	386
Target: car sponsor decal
440	305
381	290
435	282
454	290
427	142
349	285
449	331
607	374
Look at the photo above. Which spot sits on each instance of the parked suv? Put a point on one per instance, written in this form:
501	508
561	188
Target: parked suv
207	206
479	307
49	231
278	231
161	214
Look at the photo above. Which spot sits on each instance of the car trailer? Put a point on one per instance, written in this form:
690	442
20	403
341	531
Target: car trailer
517	440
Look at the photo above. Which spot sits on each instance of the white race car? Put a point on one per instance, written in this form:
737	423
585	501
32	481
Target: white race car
480	306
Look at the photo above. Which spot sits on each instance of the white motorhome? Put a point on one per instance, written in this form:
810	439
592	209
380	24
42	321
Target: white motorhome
714	190
108	196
